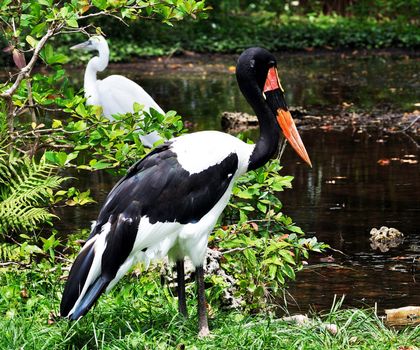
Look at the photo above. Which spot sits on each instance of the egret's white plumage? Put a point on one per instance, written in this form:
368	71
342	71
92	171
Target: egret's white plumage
116	94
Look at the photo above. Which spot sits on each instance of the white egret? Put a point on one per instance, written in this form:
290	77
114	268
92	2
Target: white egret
169	202
116	93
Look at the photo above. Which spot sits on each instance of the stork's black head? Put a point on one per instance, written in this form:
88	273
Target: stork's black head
254	63
256	73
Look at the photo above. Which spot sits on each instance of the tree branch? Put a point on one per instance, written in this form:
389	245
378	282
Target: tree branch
239	249
24	72
103	13
411	124
28	68
8	263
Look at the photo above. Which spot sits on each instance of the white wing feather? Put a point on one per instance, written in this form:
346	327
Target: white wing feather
118	94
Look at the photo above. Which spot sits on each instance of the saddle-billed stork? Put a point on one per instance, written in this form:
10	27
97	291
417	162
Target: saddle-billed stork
169	201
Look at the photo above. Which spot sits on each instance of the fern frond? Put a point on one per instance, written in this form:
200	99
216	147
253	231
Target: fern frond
33	182
9	252
15	215
26	187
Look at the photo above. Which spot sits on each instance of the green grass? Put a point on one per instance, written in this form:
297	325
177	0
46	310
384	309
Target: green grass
140	314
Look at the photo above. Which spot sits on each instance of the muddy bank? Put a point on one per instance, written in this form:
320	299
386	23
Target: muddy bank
193	62
389	122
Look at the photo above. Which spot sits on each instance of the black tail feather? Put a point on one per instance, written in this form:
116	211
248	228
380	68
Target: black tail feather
120	237
92	294
76	281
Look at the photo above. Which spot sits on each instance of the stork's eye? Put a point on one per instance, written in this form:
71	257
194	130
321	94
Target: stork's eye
271	64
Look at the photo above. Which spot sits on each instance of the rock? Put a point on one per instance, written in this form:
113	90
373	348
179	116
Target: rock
385	233
407	315
298	319
385	238
239	121
330	327
304	320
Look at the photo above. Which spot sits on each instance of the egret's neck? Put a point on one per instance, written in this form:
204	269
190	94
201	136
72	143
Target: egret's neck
267	143
96	64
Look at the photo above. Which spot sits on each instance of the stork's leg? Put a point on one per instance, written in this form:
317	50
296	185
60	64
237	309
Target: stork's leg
180	277
203	327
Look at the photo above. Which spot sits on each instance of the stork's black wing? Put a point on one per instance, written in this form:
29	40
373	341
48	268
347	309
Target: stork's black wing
163	191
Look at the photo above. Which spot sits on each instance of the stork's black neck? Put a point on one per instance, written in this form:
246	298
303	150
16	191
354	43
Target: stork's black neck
268	141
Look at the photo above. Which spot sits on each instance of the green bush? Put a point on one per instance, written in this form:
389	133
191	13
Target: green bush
231	34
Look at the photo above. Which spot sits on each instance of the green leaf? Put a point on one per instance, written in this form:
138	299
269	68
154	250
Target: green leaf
81	147
71	156
100	4
48	51
61	158
246	194
56	124
31	41
250	256
171	114
72	22
272	270
280	276
287	256
295	229
45	2
248	208
80	125
81	110
289	272
242	217
37	31
98	165
262	207
137	107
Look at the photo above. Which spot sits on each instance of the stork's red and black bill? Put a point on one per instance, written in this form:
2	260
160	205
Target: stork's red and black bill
284	118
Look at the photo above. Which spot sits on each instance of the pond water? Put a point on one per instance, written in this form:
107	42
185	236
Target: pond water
345	194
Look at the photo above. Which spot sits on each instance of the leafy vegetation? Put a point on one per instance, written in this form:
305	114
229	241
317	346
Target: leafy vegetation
261	246
47	123
234	33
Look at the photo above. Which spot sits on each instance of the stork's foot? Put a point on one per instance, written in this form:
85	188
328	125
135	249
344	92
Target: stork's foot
204	332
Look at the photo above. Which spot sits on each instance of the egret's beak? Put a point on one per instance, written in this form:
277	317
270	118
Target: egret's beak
274	95
82	46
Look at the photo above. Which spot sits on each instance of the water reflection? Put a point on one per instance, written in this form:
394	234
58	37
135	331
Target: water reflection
349	190
345	195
